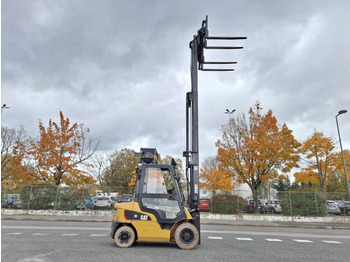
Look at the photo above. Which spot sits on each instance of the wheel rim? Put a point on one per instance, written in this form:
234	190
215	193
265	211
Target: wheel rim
124	237
187	236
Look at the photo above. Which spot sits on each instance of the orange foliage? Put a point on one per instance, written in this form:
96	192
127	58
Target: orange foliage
133	178
321	160
338	162
253	152
59	152
16	170
214	178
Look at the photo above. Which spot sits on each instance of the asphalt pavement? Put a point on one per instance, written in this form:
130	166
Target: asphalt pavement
51	241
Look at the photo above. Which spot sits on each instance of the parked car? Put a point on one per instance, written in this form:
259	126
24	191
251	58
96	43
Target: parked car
124	198
333	208
104	202
344	207
12	201
86	204
249	207
204	204
273	207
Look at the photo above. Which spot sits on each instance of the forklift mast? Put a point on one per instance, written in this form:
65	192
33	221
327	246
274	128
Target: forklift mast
197	46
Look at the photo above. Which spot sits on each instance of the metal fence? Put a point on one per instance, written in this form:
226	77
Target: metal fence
39	197
289	203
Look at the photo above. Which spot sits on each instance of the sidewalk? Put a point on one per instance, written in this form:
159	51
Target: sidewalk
330	222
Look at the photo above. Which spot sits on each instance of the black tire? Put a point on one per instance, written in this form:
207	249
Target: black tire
124	237
273	211
186	236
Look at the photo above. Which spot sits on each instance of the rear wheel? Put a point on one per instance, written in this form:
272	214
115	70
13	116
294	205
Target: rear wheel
124	237
186	236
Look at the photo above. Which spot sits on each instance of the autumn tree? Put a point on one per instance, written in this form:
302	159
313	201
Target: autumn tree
253	151
167	160
100	162
14	169
213	177
120	170
61	152
319	152
9	138
336	184
339	167
120	173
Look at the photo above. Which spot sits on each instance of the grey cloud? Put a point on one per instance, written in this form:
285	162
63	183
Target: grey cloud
122	67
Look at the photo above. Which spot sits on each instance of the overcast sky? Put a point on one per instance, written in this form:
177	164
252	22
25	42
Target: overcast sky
122	68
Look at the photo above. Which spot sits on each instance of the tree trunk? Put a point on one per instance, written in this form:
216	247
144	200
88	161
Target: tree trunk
256	200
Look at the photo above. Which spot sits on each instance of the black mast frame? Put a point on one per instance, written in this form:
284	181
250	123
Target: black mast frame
197	46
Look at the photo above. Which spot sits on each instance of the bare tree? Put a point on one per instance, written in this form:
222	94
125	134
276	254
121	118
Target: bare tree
10	138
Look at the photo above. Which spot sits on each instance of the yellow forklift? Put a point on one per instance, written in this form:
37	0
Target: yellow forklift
159	212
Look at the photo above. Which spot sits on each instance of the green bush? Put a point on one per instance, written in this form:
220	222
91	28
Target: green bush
67	198
38	196
304	204
226	204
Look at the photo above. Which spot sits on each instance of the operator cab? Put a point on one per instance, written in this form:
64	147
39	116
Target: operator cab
158	189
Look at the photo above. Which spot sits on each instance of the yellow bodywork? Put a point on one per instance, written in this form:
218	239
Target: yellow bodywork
146	230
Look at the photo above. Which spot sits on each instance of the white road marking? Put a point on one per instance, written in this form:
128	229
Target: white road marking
40	234
276	234
58	228
98	235
17	233
70	234
244	238
215	237
273	240
38	258
302	241
332	242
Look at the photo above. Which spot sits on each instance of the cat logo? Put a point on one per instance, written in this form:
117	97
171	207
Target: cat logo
143	217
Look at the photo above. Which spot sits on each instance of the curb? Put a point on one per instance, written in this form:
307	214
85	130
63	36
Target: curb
206	219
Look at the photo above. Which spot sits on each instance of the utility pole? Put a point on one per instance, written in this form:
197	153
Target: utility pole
197	46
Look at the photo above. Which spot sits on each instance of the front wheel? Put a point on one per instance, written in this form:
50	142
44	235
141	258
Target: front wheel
124	237
186	236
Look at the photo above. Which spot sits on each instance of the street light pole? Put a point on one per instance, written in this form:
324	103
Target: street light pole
230	112
342	153
4	106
